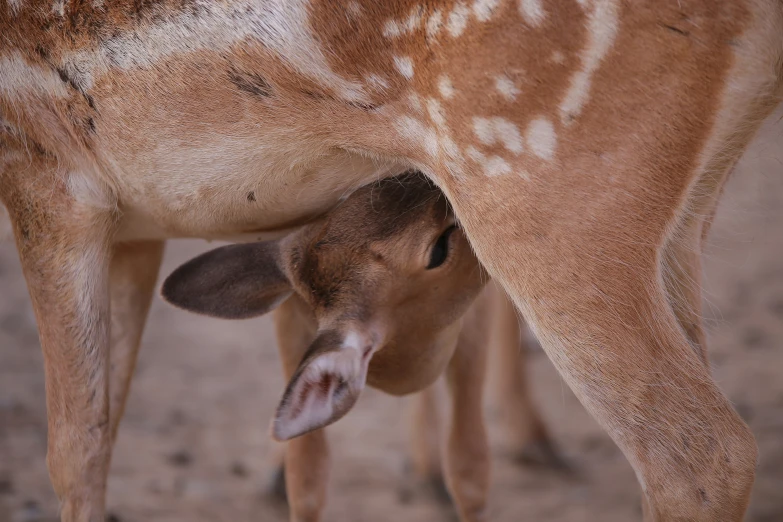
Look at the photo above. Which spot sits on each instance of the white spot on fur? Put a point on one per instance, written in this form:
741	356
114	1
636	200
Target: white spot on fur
506	87
19	79
419	134
541	138
436	112
508	134
496	166
404	65
492	165
557	57
602	24
445	87
354	9
491	130
58	8
377	82
282	27
434	24
15	5
483	130
458	20
392	29
532	11
484	9
414	19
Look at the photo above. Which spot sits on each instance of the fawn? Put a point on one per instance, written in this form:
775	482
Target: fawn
380	292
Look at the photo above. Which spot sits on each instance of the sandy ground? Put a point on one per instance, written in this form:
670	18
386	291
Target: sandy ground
194	447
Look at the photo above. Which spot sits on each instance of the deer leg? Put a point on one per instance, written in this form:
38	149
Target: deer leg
467	449
133	273
306	457
64	247
508	359
425	442
425	434
276	486
590	285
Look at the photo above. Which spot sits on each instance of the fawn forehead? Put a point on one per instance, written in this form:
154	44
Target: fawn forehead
386	210
336	259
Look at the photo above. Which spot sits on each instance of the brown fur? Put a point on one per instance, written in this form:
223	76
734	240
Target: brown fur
108	135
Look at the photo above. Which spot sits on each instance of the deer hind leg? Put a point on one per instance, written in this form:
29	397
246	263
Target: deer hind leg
508	367
133	273
306	457
64	249
589	282
467	449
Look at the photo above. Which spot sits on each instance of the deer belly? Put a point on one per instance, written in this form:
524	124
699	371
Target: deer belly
207	194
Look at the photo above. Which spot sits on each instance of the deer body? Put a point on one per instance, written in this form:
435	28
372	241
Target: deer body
583	146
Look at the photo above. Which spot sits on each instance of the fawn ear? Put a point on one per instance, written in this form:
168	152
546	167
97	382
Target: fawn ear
231	282
326	385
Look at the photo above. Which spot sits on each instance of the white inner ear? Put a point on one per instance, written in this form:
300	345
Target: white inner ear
325	390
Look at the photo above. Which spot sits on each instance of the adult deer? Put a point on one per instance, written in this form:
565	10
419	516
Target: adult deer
583	146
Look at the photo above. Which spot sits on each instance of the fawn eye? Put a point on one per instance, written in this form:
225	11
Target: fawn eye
440	250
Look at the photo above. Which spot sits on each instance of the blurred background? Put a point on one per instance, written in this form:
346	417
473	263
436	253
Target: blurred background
194	443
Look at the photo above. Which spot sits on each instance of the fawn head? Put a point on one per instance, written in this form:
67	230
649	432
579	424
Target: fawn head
387	274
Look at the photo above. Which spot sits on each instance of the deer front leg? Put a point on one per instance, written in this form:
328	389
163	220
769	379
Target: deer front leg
425	434
467	449
133	273
64	249
306	457
425	443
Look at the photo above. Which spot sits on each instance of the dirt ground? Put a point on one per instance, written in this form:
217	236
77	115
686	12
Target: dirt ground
194	443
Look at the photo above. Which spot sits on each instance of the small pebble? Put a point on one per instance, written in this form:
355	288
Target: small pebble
180	459
753	337
239	470
6	486
30	512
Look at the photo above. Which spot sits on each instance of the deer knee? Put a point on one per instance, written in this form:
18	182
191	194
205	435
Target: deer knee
716	487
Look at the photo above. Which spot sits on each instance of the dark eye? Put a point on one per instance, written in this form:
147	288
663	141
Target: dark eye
440	251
